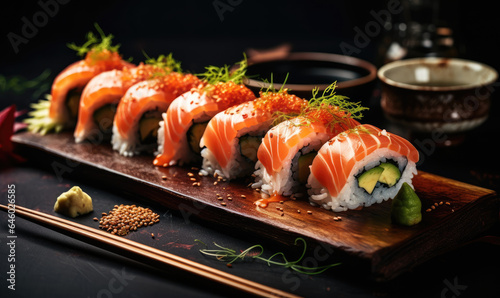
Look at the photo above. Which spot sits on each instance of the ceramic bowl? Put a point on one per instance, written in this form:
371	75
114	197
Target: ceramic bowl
445	95
355	78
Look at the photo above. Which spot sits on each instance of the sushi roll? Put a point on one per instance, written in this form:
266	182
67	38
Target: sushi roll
361	167
102	94
138	114
60	109
288	149
233	136
185	120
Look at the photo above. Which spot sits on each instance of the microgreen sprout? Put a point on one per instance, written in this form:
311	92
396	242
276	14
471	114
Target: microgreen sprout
214	74
96	43
166	63
256	251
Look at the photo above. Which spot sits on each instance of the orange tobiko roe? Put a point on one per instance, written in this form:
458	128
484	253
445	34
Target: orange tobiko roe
331	117
280	102
133	75
176	83
228	94
104	59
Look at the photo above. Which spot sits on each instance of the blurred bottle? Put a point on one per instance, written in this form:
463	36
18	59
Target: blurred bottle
423	29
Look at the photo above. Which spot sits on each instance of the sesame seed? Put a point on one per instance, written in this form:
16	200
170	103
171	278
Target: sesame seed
428	210
309	212
243	196
164	177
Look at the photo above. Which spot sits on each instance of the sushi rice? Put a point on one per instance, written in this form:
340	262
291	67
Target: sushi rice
352	196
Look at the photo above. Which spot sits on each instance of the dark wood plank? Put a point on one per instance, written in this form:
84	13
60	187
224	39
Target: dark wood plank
367	234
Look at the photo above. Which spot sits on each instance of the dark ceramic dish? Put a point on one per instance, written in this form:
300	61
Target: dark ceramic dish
427	95
355	77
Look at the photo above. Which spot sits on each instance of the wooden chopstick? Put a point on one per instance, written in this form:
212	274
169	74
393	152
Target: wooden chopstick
147	254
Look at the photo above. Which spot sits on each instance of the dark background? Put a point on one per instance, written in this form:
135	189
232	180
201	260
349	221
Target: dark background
194	32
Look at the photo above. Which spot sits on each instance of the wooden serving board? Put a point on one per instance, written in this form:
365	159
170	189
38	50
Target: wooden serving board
366	234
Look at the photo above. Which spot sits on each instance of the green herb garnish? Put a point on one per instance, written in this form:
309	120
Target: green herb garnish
18	84
95	43
271	89
329	98
164	63
214	74
335	107
230	256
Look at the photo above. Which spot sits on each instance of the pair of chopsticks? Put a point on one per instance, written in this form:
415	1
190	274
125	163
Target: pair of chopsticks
135	250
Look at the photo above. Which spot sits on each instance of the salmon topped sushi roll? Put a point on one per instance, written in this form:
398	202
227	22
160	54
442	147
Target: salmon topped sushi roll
232	137
185	120
360	167
138	114
103	93
288	149
60	110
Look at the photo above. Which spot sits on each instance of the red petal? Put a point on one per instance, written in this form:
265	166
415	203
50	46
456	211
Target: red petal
7	117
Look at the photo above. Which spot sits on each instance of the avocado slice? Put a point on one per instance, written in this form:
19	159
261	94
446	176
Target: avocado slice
194	135
73	102
391	174
148	129
304	162
369	178
104	116
249	146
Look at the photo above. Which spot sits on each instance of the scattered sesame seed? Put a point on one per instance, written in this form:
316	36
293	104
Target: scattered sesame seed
433	207
441	203
309	212
164	177
190	174
243	196
223	204
298	211
428	210
448	203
